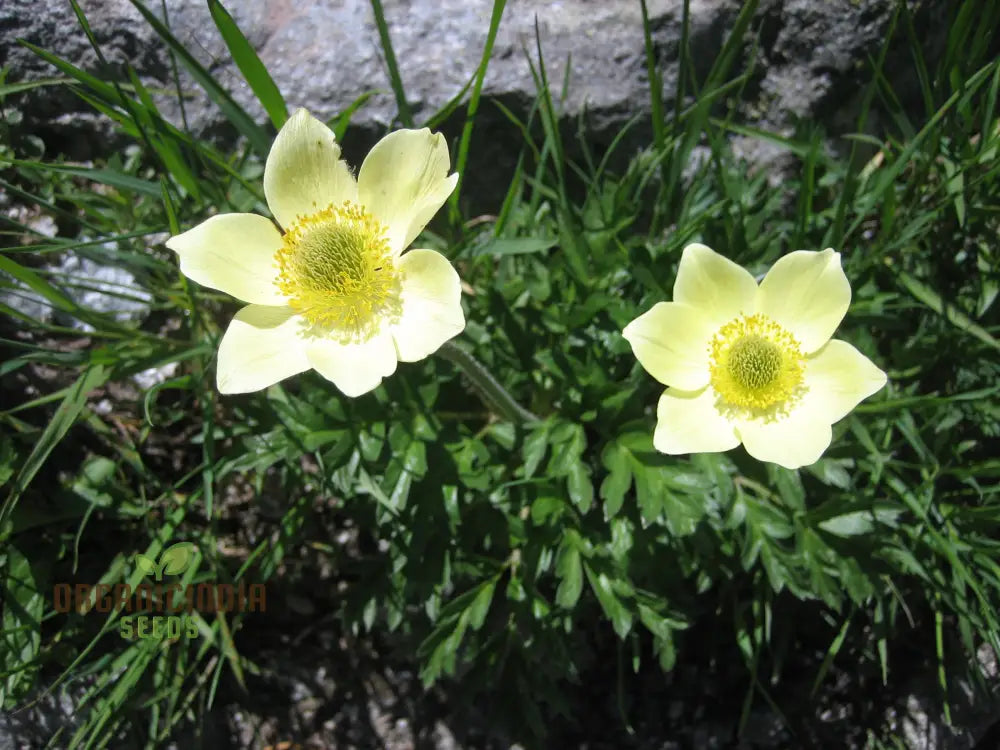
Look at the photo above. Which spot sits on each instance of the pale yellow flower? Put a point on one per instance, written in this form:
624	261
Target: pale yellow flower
753	364
334	291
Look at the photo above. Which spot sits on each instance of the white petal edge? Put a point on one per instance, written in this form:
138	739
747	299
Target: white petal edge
233	253
808	294
793	442
432	305
717	286
355	369
304	172
688	422
839	377
404	181
261	346
671	340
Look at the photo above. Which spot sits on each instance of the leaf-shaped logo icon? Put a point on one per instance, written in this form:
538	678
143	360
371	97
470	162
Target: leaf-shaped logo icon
145	564
176	558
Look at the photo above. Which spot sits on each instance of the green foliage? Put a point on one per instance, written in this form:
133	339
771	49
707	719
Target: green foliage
22	626
253	70
506	549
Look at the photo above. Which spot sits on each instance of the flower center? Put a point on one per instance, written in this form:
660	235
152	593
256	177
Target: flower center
755	363
336	269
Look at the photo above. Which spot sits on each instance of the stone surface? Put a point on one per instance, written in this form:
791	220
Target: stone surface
325	53
69	125
94	286
919	722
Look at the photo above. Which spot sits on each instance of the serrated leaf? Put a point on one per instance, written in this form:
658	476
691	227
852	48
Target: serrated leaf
832	472
581	489
666	654
568	443
545	507
616	484
450	501
512	246
648	493
620	617
439	648
777	573
533	451
682	512
477	611
570	571
660	488
789	486
858	522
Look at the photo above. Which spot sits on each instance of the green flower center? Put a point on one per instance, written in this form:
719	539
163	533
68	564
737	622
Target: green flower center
337	271
755	364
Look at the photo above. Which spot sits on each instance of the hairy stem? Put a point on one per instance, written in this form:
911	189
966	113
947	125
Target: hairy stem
494	394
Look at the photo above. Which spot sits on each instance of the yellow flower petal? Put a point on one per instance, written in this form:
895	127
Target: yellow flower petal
233	253
793	441
304	172
721	289
671	341
354	368
404	181
432	305
688	422
840	377
808	294
260	347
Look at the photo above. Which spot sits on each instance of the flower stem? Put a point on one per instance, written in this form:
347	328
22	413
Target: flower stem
492	393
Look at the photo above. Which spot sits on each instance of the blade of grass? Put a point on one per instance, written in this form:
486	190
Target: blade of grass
50	206
696	122
656	81
888	177
924	294
343	120
470	115
405	116
164	147
253	70
16	88
241	120
449	108
63	419
104	176
39	285
138	113
569	238
835	234
831	654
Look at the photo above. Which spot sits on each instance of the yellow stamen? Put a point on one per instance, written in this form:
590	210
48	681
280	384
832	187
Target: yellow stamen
337	271
756	365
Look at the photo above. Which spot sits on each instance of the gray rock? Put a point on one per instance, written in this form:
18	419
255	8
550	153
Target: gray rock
37	720
66	123
325	53
94	286
918	720
104	289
